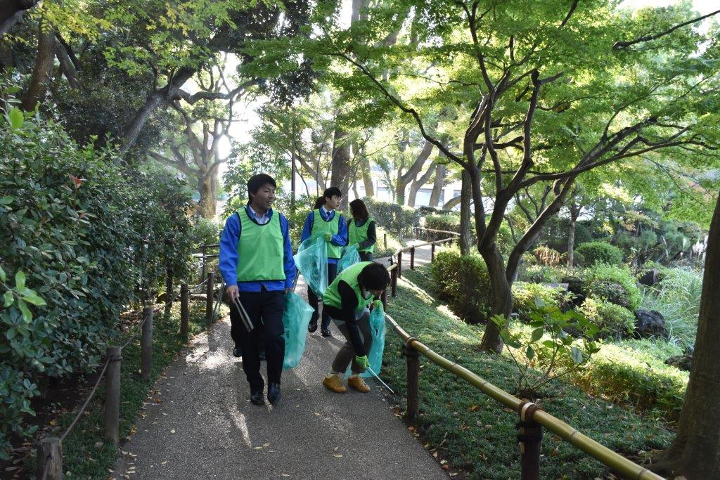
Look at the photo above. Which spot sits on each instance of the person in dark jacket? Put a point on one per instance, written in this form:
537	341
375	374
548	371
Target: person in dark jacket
361	230
326	222
347	301
256	261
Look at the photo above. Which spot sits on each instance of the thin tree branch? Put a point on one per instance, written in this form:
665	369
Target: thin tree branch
648	38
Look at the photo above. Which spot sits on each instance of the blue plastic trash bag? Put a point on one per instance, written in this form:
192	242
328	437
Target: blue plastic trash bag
377	329
295	320
311	259
349	257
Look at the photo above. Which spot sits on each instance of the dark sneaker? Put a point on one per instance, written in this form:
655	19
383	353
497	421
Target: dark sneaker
237	353
312	326
261	355
326	332
256	397
273	393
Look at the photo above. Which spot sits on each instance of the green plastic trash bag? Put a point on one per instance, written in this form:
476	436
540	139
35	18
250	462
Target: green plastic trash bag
350	256
311	259
295	320
377	330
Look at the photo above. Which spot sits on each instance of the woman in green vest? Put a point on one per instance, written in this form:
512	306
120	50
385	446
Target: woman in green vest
324	221
361	230
347	301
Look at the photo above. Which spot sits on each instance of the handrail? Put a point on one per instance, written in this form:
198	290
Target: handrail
438	231
584	443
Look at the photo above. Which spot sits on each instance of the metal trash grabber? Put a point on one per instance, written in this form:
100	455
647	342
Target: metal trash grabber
243	314
380	379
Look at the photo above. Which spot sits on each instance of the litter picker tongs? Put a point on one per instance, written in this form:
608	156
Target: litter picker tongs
243	314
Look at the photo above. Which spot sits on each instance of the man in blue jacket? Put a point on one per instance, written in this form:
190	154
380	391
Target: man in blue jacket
256	261
327	223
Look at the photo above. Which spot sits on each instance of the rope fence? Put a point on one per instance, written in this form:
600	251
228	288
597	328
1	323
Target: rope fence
49	450
532	418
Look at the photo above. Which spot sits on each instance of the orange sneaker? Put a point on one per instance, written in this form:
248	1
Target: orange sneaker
334	384
356	382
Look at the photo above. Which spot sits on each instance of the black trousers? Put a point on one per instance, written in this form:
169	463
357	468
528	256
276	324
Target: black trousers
265	310
365	256
314	301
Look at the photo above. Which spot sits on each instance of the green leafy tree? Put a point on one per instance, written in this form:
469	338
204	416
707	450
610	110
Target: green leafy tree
541	95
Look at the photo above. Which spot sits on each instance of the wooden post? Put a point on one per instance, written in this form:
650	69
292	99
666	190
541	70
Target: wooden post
432	253
412	358
385	240
49	459
383	299
168	292
112	395
146	343
393	281
399	264
412	258
209	314
184	310
202	271
529	438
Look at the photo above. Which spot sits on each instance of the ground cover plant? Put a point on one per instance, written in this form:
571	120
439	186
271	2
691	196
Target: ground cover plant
473	432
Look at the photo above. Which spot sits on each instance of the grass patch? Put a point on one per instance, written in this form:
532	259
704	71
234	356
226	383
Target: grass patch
634	372
85	452
677	297
476	434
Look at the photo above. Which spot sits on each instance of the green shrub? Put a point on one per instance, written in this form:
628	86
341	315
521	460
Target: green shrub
612	320
614	284
463	282
528	297
592	253
204	232
396	219
449	222
90	237
542	274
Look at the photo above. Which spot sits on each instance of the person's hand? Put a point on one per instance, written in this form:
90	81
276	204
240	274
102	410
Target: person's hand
232	292
362	362
328	237
378	304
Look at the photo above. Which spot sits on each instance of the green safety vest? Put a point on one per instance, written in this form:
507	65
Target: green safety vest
349	276
320	227
260	250
359	234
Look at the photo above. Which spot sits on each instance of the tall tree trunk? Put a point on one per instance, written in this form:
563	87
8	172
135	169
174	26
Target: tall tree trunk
465	197
416	185
207	187
66	65
367	178
501	300
574	214
42	73
695	453
156	99
340	160
404	179
438	184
